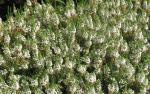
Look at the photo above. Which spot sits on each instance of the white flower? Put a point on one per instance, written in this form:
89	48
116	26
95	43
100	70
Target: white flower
44	80
88	43
48	63
1	34
72	88
86	60
90	77
91	91
29	3
140	77
15	85
26	53
51	91
81	69
7	39
57	67
70	13
3	72
69	64
34	82
6	51
2	61
113	88
54	18
89	22
37	26
57	50
50	70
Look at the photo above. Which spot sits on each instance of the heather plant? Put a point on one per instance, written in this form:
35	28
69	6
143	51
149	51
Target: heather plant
76	47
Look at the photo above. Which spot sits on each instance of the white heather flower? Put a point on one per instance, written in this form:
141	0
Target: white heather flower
140	77
2	61
89	22
113	88
70	12
72	88
18	47
26	53
1	34
48	63
51	91
15	85
88	43
57	67
7	39
3	72
50	70
91	91
44	80
37	26
29	3
55	18
57	50
69	64
86	60
34	82
145	4
7	51
90	77
21	37
81	69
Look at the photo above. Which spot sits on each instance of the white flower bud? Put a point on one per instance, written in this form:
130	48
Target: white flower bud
3	72
26	53
81	69
69	64
44	80
33	82
113	88
86	60
7	39
2	61
29	3
37	26
72	88
140	77
90	77
57	50
15	85
57	67
6	51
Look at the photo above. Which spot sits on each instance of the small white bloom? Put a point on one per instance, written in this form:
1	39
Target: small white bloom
7	51
45	80
90	77
3	72
2	61
140	77
57	50
113	88
57	67
16	85
69	64
72	88
34	82
7	39
81	69
26	53
37	26
29	3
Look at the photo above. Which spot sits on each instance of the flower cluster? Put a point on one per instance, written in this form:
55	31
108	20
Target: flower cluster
94	47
